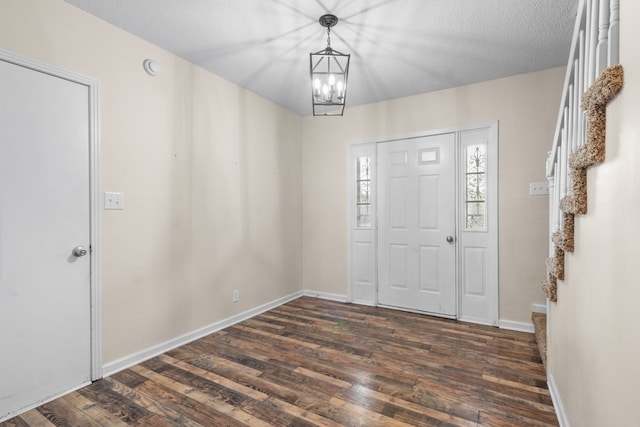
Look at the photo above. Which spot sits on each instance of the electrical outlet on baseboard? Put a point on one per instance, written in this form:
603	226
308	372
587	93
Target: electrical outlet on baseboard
236	295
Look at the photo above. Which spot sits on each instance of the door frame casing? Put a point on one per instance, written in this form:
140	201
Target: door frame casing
93	89
369	147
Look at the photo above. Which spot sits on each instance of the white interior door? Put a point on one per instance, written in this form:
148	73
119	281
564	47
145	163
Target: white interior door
45	323
417	224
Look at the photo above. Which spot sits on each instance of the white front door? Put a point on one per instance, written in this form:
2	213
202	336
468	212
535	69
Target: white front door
45	323
417	224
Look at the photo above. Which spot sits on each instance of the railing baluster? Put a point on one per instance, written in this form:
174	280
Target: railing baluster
570	136
558	191
563	156
576	106
592	32
614	33
587	31
603	37
552	210
569	116
581	84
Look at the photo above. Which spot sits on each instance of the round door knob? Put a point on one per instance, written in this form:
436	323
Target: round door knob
79	251
450	239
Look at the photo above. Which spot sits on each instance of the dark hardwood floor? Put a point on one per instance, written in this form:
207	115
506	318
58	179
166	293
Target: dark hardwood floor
313	362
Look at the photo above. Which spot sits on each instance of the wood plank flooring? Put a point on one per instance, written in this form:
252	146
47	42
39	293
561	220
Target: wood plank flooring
313	362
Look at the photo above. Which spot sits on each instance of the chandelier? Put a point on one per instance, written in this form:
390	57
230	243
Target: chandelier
329	69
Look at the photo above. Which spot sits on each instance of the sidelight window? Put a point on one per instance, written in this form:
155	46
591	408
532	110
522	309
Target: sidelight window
363	192
476	188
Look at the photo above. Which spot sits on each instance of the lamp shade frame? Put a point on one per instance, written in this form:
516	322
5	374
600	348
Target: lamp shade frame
324	65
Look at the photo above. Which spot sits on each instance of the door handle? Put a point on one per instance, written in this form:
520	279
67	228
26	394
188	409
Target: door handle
79	251
450	239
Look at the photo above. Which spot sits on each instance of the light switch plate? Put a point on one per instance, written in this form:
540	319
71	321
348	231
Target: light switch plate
114	200
539	189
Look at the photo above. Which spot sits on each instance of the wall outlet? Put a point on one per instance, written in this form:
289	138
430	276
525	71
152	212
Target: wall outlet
539	189
114	200
236	295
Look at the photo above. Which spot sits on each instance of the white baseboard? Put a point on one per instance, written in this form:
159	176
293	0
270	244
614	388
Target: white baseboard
557	401
325	295
133	359
516	326
539	308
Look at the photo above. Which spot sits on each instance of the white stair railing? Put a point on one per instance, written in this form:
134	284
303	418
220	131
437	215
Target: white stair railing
595	46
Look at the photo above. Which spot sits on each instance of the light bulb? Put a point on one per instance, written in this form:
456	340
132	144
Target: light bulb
332	80
316	86
340	86
325	91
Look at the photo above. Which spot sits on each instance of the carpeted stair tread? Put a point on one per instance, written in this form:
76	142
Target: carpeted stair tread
540	325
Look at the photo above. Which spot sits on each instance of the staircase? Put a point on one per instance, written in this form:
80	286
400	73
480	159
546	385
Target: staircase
593	79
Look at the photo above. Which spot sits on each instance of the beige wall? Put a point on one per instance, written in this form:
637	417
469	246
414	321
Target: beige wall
526	107
594	329
211	175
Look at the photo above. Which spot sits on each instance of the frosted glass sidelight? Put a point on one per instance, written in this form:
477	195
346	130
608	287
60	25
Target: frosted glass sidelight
476	188
363	192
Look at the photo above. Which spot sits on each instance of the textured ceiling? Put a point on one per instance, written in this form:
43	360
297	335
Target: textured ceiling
398	47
